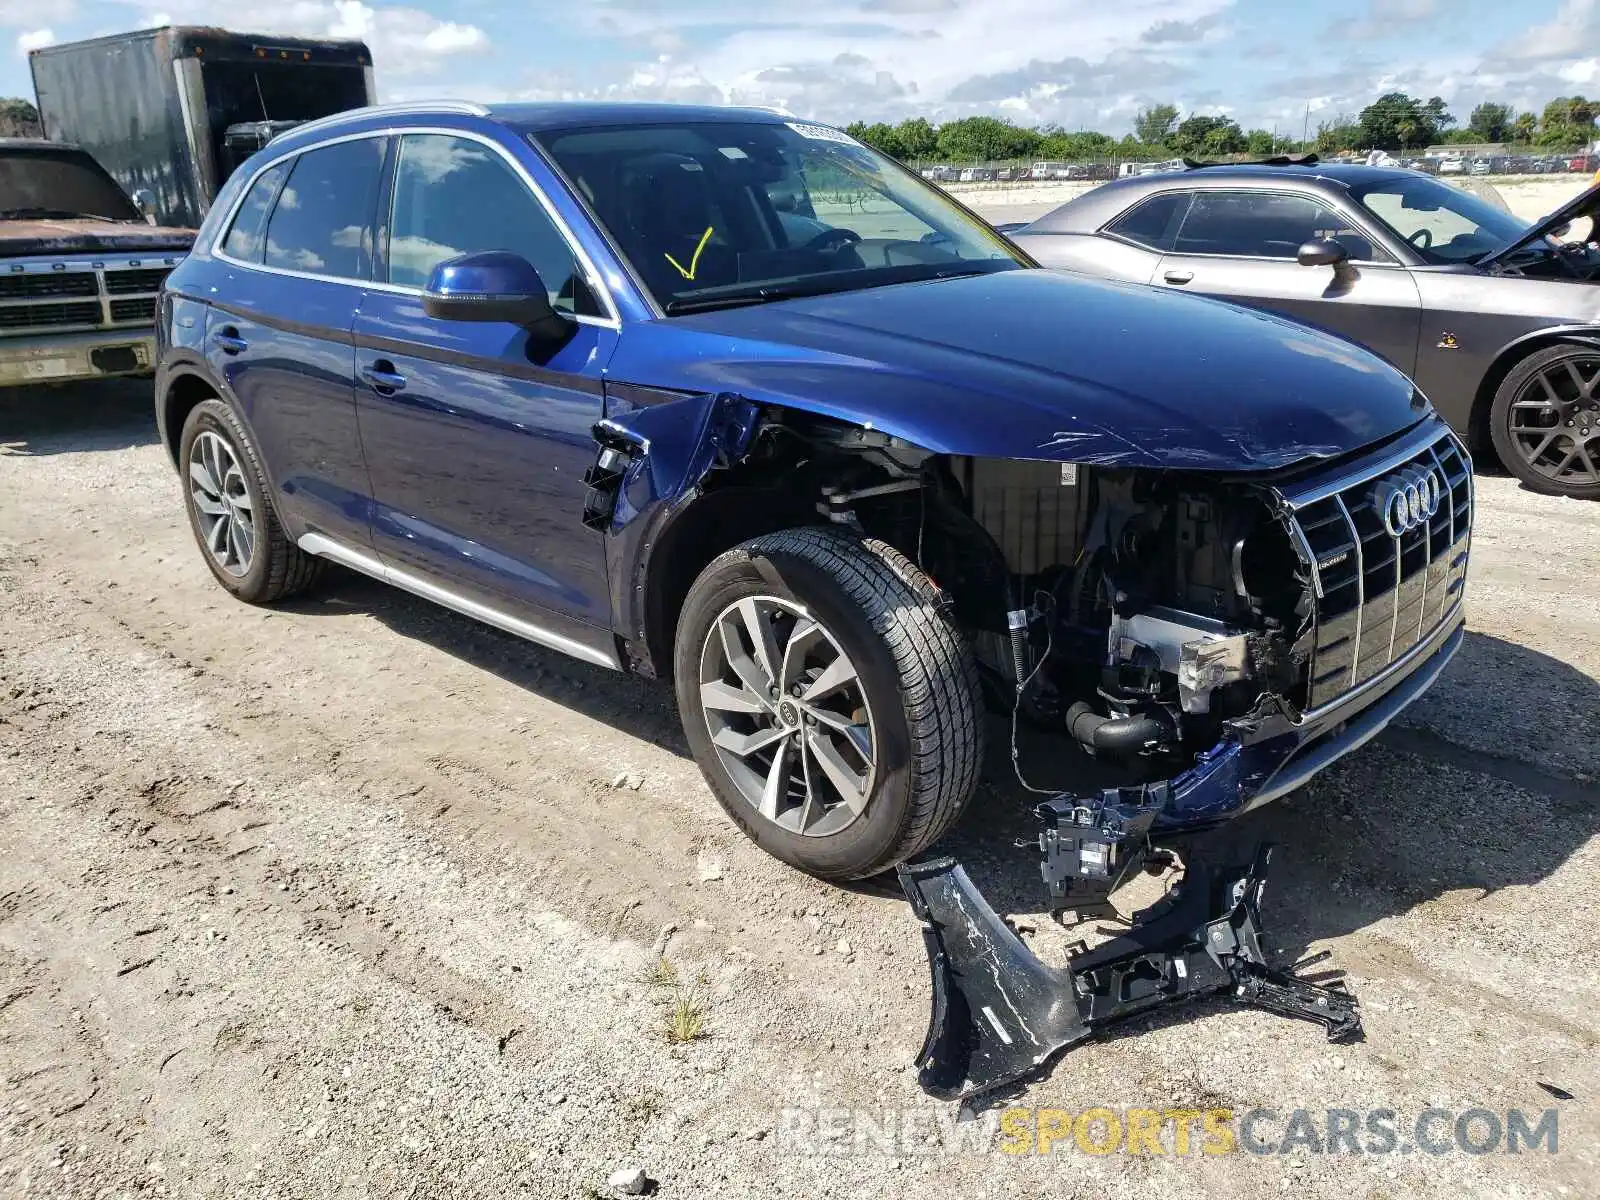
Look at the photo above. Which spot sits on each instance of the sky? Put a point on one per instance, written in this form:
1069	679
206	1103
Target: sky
1085	64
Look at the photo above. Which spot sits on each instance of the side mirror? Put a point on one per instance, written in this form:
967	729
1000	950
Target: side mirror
1323	252
493	285
144	203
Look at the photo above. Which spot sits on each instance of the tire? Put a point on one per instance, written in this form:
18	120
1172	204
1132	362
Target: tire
275	567
1532	408
914	689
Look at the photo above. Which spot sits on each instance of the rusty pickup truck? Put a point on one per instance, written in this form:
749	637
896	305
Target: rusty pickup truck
81	267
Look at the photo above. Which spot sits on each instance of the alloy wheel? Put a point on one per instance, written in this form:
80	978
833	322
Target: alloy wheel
222	503
1555	422
788	716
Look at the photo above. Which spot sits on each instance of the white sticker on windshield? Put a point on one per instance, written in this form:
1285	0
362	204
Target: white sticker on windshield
821	133
733	152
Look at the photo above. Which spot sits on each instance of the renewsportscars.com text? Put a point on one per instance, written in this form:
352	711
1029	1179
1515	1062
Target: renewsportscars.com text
1171	1132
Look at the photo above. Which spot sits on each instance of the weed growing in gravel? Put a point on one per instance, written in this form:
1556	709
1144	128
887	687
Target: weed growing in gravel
685	1019
660	973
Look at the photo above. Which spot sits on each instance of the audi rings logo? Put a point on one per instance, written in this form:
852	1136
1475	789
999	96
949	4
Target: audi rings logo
1407	499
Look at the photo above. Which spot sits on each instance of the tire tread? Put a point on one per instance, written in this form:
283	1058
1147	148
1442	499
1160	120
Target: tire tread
938	673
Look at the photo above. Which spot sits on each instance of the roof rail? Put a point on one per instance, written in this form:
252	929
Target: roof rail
1277	160
462	107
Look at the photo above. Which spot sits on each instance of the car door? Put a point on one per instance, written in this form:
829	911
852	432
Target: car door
477	439
1242	245
300	246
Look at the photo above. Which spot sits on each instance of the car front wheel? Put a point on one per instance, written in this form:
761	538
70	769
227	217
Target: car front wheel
829	700
1546	422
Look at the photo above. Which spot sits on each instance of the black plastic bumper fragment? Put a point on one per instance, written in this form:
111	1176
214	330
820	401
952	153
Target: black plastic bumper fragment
999	1013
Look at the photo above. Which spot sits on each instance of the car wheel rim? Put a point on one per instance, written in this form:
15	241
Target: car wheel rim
222	504
1555	422
788	716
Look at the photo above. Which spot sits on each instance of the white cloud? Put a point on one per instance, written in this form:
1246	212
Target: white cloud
1582	71
1573	25
451	38
26	12
33	39
885	59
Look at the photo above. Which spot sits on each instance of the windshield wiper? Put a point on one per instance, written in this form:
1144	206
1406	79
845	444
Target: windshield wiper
760	295
816	286
59	214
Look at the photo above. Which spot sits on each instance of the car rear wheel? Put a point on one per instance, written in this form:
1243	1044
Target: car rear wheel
225	493
1546	422
830	702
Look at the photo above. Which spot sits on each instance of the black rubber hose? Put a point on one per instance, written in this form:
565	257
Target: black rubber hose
1113	735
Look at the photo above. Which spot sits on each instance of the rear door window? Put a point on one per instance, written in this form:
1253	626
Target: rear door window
245	238
1152	222
322	223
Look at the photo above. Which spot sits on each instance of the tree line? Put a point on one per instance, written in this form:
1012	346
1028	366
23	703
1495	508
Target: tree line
1394	121
19	118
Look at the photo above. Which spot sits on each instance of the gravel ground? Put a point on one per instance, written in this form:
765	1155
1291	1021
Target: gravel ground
356	898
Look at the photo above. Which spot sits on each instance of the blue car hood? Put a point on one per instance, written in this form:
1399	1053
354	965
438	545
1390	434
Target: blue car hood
1040	364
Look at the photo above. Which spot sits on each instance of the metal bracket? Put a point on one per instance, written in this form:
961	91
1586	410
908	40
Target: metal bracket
1088	844
605	478
999	1013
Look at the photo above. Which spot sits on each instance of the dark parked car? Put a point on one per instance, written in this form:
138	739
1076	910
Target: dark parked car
837	469
1496	319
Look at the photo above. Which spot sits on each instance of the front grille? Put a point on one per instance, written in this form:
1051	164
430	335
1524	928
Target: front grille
44	316
48	299
136	279
141	308
1379	595
25	287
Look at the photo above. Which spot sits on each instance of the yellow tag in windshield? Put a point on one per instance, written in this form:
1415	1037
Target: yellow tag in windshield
694	263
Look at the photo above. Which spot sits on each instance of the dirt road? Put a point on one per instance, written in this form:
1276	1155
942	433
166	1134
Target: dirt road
343	899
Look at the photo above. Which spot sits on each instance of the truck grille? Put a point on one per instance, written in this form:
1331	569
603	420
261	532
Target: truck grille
43	316
1378	594
43	301
136	279
140	308
28	287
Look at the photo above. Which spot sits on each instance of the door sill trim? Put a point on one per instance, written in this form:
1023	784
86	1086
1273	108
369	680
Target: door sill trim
326	547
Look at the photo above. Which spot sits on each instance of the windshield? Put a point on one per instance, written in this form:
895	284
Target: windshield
718	213
58	183
1444	224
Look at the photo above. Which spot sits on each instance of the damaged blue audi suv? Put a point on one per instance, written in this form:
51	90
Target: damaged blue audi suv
725	397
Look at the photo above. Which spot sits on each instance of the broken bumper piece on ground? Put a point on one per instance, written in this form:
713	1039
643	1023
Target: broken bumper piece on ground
999	1013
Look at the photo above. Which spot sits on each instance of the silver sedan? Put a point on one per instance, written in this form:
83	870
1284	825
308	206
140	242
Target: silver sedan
1496	320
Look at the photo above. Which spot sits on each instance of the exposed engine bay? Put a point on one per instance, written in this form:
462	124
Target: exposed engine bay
1573	260
1139	612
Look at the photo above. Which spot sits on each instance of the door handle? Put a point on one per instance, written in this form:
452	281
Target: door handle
383	378
1178	276
229	340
